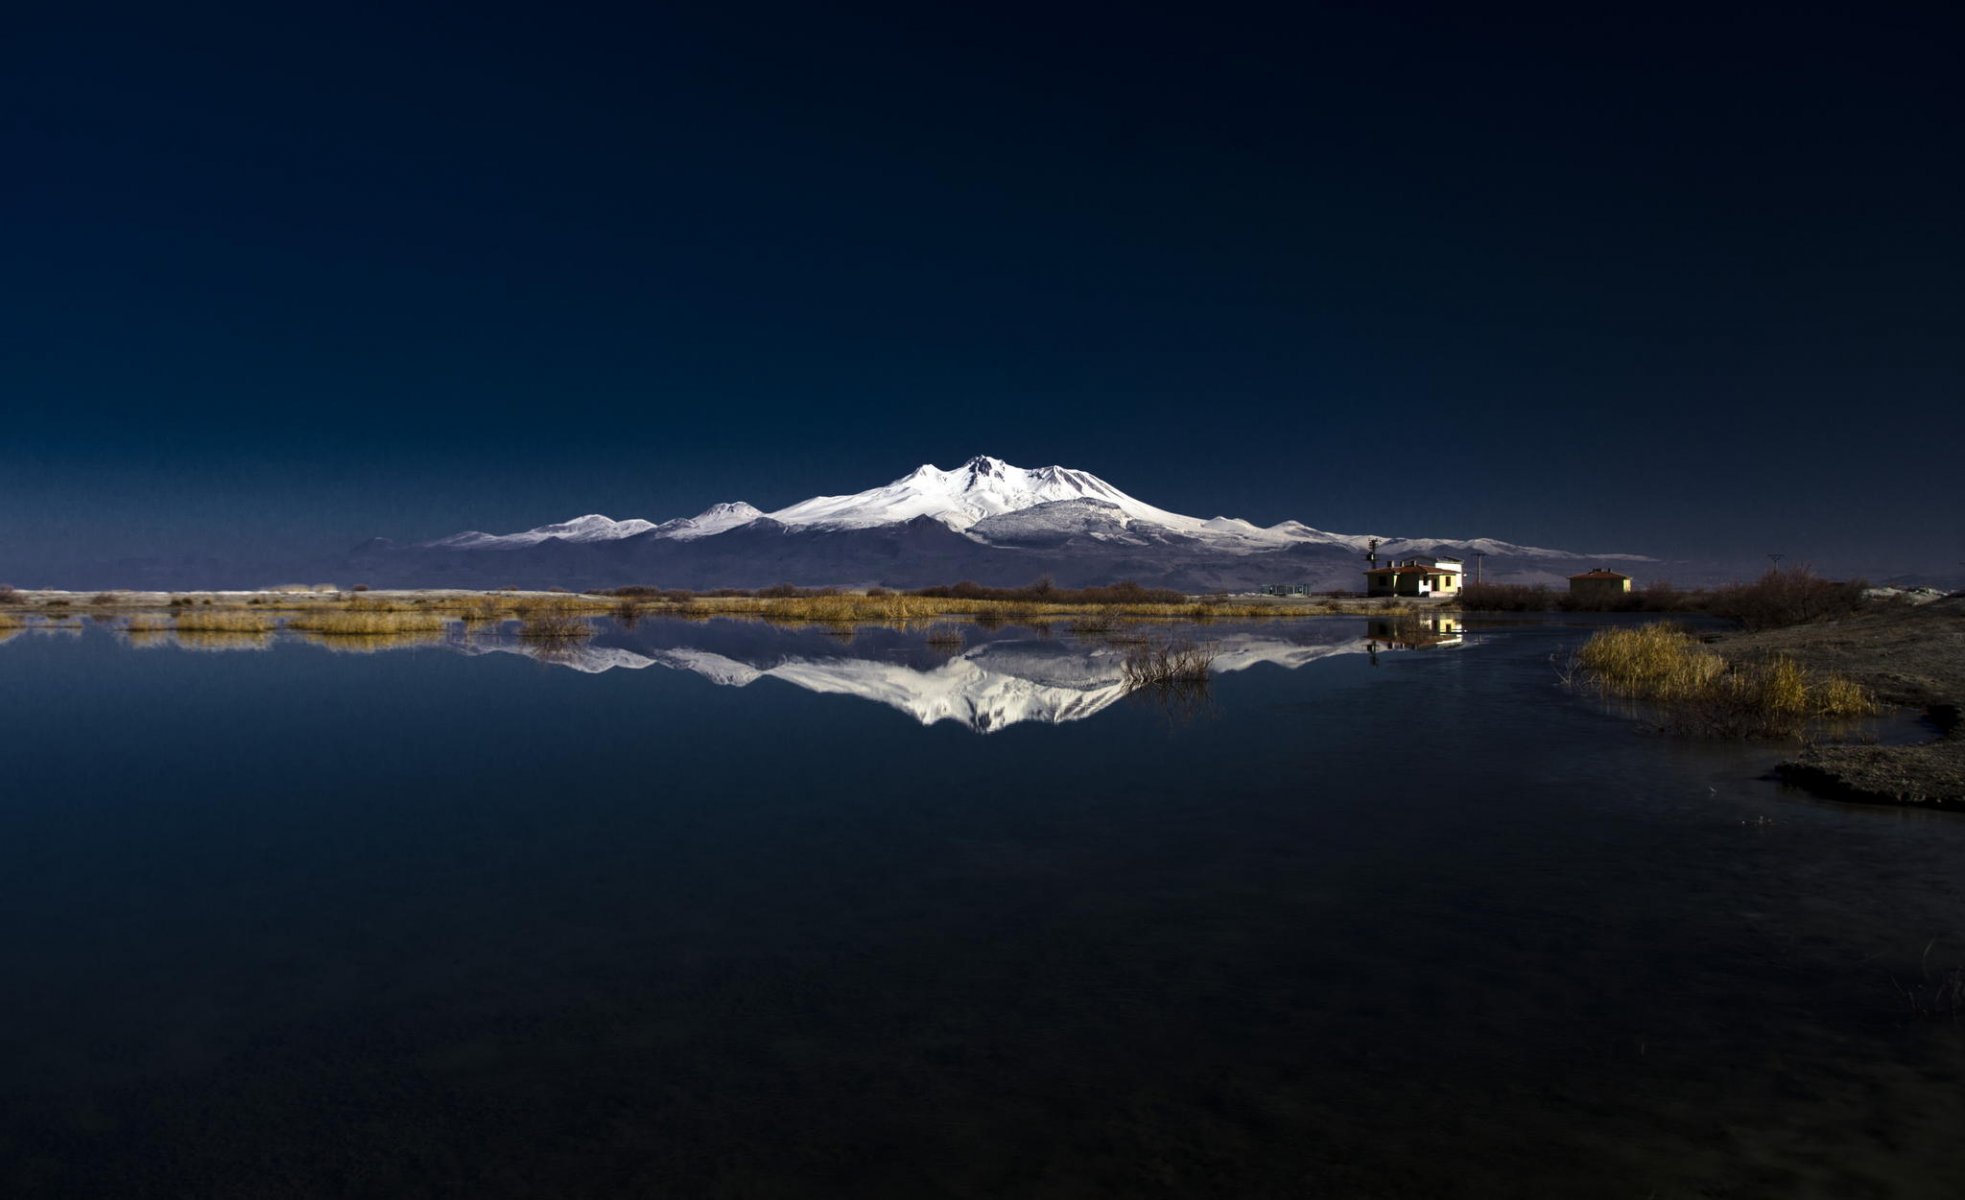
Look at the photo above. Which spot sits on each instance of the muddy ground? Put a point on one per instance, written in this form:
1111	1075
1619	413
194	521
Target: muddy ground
1911	656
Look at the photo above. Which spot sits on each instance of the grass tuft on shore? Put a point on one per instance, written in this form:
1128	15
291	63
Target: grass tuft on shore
1706	693
553	621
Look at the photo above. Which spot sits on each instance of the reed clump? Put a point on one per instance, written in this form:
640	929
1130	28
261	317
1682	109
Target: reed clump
1704	692
553	620
222	621
365	622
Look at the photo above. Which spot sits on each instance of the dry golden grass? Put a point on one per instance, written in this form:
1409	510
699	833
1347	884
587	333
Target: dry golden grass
218	620
853	607
361	613
554	620
1661	663
366	622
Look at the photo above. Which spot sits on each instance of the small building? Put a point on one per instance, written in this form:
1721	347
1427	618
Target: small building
1422	576
1285	589
1600	584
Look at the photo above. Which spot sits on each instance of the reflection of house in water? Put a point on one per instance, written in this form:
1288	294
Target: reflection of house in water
1422	576
1415	631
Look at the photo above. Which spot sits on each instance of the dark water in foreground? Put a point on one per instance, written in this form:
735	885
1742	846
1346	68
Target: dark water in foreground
707	910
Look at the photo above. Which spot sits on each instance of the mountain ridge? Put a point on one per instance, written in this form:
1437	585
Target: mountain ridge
991	501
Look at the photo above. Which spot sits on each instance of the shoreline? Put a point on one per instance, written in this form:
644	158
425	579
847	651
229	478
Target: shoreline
1909	657
816	605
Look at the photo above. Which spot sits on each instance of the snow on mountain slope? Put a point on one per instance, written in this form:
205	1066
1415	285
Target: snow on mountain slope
591	528
994	503
982	487
712	520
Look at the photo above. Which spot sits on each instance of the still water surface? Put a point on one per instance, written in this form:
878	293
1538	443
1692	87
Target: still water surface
724	908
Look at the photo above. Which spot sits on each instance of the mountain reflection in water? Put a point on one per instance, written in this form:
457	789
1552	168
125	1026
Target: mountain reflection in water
990	679
1003	681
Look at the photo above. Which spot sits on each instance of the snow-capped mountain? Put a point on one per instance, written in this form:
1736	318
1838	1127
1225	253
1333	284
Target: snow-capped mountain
712	520
986	520
591	528
990	501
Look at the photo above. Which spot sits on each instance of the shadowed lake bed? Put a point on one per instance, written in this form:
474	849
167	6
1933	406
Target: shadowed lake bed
729	908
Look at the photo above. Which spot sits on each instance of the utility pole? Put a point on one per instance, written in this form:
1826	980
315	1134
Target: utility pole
1776	560
1480	566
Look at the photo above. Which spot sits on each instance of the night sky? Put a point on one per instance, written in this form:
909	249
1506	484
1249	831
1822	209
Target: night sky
1687	281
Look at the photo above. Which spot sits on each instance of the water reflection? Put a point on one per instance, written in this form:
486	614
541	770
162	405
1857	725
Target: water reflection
981	677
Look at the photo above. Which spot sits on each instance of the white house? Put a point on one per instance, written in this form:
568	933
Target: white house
1421	576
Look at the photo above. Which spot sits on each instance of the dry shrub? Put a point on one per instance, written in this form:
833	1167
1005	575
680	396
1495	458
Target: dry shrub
1792	597
1505	597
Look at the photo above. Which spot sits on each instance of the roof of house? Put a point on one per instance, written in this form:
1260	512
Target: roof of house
1599	573
1407	571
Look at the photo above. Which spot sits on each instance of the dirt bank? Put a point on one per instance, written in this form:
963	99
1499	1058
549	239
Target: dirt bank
1912	656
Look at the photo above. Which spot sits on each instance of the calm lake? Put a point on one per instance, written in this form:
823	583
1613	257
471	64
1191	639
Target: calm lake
730	909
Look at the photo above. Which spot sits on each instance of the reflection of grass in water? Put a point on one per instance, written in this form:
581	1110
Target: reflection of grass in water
555	651
1167	663
208	641
148	638
1180	703
374	643
945	637
222	621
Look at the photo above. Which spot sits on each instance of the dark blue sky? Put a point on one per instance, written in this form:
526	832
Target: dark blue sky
1642	277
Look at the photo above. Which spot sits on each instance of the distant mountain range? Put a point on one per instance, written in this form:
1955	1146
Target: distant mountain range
985	520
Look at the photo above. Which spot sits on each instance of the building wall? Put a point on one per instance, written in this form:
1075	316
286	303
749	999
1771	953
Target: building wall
1599	589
